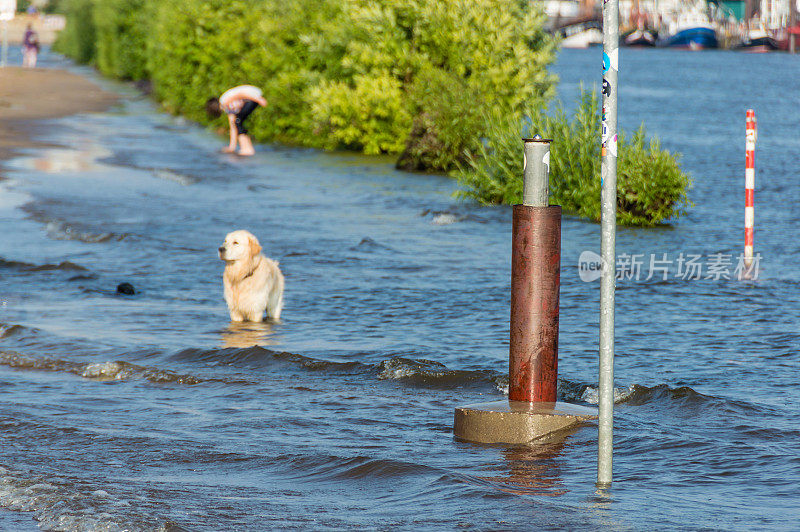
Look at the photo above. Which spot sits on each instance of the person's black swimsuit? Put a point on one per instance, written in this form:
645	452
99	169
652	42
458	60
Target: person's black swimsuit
247	107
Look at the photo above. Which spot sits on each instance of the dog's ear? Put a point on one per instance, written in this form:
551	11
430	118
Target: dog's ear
255	247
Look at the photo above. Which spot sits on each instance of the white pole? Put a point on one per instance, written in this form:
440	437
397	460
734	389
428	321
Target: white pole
608	229
4	53
7	10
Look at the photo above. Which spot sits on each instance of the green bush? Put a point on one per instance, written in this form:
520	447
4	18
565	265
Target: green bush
121	29
77	39
447	125
471	57
651	187
368	116
445	84
337	73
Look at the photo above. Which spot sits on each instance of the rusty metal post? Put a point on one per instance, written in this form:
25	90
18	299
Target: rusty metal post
531	411
535	284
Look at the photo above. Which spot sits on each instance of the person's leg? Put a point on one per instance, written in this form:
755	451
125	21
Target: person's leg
231	148
245	144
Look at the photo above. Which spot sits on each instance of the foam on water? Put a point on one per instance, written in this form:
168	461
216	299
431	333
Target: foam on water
444	219
99	371
61	504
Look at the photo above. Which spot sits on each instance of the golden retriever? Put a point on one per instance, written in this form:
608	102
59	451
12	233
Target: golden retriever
253	283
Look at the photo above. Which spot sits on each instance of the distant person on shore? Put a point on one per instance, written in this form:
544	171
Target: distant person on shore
237	103
30	48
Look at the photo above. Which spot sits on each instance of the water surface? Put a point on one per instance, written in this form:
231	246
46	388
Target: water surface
154	412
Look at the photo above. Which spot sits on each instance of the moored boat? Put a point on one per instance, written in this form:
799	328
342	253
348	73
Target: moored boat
756	41
581	34
691	30
639	37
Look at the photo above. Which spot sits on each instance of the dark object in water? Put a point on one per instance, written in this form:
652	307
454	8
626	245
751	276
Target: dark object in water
126	288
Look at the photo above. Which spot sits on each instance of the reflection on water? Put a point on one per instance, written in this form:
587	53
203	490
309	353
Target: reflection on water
53	161
247	334
534	469
600	506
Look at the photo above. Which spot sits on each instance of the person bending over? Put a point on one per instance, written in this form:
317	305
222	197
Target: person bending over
237	103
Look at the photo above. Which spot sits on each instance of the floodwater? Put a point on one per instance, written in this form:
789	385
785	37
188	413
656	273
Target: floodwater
154	412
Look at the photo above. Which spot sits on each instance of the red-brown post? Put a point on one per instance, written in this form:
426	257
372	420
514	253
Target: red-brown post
535	285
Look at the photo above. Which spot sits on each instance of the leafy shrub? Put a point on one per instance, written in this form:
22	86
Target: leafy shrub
369	116
448	84
122	27
77	39
337	73
651	187
447	124
470	58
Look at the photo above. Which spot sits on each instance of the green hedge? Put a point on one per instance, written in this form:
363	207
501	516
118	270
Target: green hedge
77	39
442	84
339	74
651	187
121	32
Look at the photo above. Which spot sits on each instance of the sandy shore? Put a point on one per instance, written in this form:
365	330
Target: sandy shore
29	95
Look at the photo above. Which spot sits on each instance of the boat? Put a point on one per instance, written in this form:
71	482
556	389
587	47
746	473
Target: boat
783	38
642	33
575	22
639	37
691	30
755	41
581	34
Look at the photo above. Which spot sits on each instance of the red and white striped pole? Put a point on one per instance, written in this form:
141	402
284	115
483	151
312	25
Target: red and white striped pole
749	187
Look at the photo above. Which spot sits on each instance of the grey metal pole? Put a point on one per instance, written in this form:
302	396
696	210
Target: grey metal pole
536	172
608	231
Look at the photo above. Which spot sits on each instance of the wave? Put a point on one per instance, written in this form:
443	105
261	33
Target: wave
436	374
421	373
61	230
414	372
62	504
369	245
591	394
171	175
7	330
331	467
685	397
260	357
29	267
98	371
58	230
450	217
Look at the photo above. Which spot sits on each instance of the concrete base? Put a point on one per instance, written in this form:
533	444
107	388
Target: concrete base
516	422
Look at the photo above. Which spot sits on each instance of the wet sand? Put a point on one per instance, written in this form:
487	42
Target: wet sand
31	95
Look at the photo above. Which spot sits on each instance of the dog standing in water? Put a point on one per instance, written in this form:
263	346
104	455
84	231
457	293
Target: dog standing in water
253	283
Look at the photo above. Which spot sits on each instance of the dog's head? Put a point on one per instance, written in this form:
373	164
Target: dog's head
239	245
